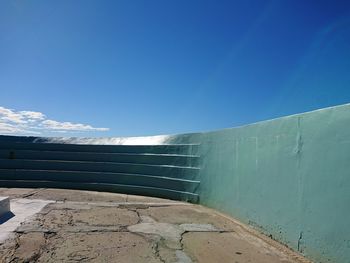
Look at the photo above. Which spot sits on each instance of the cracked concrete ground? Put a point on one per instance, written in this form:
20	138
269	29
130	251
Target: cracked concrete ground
84	226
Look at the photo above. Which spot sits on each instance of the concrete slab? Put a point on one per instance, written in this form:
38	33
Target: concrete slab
105	216
22	209
144	230
229	247
189	214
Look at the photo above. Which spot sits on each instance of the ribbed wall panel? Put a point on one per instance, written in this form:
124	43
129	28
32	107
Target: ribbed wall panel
170	171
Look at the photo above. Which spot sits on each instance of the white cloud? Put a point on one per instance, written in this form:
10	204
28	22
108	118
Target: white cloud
33	122
9	115
7	128
34	115
68	126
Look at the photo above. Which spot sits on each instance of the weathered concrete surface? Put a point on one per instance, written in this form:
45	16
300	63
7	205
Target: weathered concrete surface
74	195
21	210
188	214
118	228
228	247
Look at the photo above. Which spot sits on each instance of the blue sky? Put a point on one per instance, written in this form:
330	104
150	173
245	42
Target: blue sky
128	68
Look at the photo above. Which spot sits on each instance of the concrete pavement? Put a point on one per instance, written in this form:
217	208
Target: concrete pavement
83	226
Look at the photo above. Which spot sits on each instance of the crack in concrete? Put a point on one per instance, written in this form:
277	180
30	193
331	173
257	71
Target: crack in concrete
165	239
13	251
182	257
170	234
12	258
33	193
180	254
155	250
47	236
181	240
36	254
139	220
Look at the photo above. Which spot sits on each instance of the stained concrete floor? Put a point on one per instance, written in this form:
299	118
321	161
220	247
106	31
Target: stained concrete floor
84	226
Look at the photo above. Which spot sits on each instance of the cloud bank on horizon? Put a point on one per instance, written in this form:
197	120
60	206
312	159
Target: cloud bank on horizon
14	122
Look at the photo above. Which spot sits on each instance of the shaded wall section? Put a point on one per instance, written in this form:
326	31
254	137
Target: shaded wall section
169	171
288	177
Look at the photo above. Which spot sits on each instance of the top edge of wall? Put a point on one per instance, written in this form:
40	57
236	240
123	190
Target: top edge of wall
146	140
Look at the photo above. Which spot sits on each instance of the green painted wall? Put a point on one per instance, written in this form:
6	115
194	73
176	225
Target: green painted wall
169	171
288	177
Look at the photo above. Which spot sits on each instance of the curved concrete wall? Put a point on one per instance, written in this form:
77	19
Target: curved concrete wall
287	177
169	171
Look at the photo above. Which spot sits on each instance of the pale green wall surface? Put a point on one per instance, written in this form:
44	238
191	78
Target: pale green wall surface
288	177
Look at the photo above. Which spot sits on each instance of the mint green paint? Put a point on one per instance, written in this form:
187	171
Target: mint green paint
288	177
